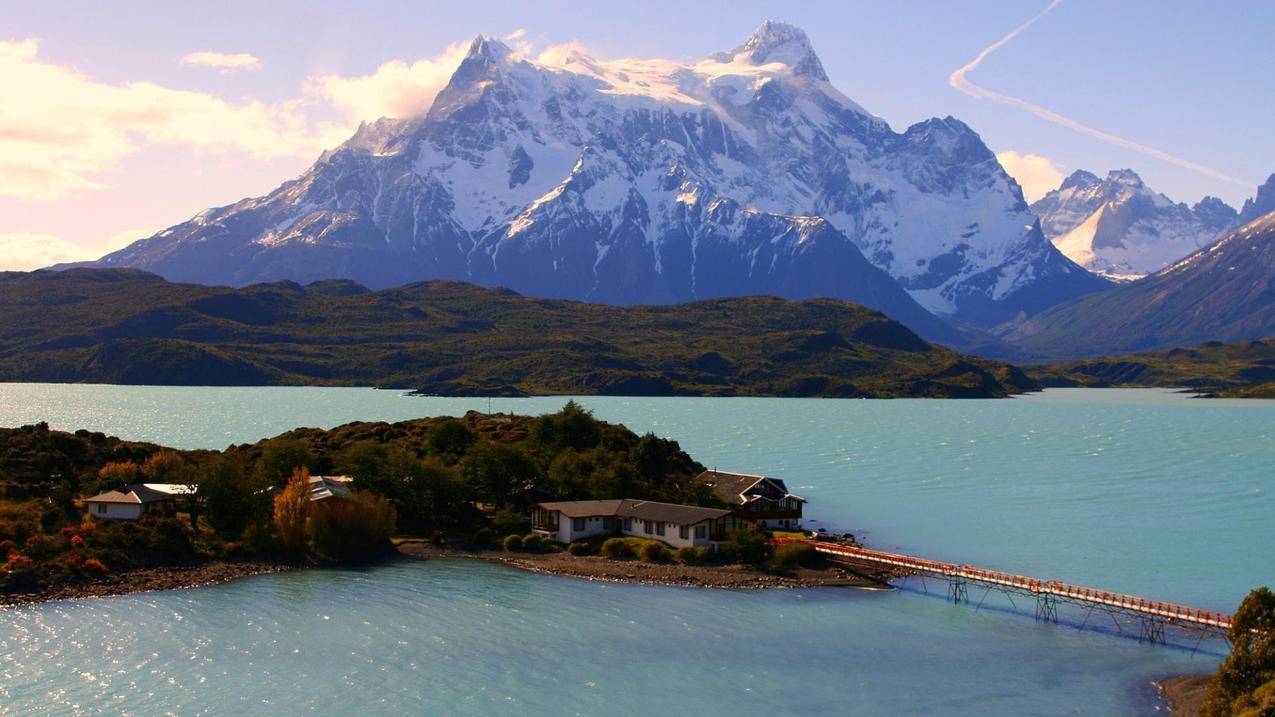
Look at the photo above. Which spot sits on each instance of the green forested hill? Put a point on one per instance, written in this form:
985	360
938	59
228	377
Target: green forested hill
1245	369
125	326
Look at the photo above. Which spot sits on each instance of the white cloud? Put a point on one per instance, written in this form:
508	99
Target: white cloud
959	80
395	89
60	130
21	251
1037	175
225	62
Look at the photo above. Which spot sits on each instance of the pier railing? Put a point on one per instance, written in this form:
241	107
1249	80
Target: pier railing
1153	614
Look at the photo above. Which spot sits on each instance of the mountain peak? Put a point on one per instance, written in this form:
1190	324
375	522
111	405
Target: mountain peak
775	41
1124	176
1080	178
488	48
1261	204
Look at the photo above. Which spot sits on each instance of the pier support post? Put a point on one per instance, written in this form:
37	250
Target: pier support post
1046	608
956	591
1152	631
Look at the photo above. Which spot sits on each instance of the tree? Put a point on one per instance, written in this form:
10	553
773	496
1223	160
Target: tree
430	495
451	437
280	458
749	545
116	474
572	427
1246	679
164	467
348	528
227	495
497	473
291	508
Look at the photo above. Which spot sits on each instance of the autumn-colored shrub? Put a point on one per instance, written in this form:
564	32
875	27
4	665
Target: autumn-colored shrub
291	508
654	553
352	527
93	566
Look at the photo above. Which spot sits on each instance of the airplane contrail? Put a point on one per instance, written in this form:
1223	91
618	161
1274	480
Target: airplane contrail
959	80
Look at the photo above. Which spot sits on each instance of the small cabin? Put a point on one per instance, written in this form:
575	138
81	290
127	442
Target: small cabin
133	501
763	500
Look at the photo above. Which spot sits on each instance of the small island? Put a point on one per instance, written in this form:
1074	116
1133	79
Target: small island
84	514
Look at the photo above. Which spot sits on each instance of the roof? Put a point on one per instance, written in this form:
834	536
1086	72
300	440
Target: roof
742	488
173	488
630	508
135	493
324	487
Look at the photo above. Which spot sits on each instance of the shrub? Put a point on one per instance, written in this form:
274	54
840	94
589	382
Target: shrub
793	554
533	543
356	527
508	521
578	548
616	548
694	555
513	543
291	508
654	553
436	537
483	538
749	546
93	566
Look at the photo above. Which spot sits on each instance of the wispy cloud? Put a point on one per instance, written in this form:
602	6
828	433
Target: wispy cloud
395	89
959	79
226	62
1037	175
20	251
61	130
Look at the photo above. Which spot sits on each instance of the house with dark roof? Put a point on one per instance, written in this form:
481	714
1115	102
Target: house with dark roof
765	501
133	501
677	525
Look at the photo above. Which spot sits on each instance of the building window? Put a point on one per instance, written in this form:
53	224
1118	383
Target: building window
646	527
101	507
577	524
659	527
628	524
683	532
701	531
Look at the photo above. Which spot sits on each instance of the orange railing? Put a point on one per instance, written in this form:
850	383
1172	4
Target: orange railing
1079	593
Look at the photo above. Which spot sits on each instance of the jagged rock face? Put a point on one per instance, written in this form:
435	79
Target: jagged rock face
1120	228
648	181
1261	205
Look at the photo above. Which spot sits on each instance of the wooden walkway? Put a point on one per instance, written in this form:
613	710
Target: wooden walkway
1154	614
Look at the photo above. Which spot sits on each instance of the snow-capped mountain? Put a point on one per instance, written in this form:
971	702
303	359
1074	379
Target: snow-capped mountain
1120	228
648	181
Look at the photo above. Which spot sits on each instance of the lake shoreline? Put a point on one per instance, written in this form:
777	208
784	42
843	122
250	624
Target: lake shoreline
1183	695
595	568
181	577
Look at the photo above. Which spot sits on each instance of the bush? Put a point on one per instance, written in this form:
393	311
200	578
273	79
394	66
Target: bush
749	546
616	548
513	543
578	548
533	543
508	521
654	553
483	538
93	566
694	555
794	554
436	537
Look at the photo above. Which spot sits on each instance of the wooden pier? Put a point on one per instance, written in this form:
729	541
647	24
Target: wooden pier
1153	616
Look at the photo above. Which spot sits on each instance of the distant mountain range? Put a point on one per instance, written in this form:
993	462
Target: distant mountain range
1119	228
649	182
445	337
1224	292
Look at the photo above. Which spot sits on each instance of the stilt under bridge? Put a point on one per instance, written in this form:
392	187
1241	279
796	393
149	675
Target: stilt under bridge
1152	616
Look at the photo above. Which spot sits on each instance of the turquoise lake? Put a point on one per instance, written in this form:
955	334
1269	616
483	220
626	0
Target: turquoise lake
1142	491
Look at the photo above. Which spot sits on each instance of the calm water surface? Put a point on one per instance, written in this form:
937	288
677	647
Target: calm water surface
1142	491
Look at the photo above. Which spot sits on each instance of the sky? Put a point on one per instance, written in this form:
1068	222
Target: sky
118	120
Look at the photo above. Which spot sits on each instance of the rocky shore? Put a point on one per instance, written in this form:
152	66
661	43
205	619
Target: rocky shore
147	579
1184	694
634	571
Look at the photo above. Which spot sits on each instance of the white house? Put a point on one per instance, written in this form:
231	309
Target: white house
677	525
133	501
765	501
